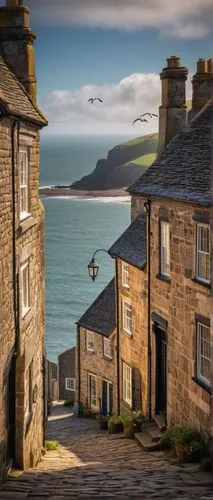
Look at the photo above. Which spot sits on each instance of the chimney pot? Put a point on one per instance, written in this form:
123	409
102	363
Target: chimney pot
201	66
173	62
210	65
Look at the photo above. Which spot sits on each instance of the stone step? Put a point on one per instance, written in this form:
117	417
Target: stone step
153	430
145	440
160	421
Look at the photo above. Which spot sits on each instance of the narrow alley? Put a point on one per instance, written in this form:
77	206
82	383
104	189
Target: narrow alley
89	463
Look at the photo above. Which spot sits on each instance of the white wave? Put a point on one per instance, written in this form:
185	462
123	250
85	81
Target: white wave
101	199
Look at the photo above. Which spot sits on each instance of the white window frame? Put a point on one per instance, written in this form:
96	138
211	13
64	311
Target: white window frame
127	306
201	344
164	248
125	275
127	384
90	341
199	252
107	348
69	384
24	182
93	403
25	288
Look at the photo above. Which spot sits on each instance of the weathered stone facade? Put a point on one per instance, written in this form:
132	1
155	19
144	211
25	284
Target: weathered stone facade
179	302
66	370
133	348
95	363
22	298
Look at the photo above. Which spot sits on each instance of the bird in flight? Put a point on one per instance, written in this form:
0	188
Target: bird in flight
140	120
150	115
92	99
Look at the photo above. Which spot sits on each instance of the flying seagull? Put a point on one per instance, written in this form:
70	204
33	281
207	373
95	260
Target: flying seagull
92	99
140	120
150	115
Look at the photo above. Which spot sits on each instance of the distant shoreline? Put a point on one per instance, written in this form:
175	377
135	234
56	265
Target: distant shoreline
84	193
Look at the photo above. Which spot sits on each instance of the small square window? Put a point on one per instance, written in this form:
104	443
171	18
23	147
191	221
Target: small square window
90	341
127	317
125	275
203	253
107	348
127	384
24	182
25	288
164	248
203	353
70	384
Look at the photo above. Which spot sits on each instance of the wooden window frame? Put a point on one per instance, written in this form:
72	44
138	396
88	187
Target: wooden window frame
70	381
125	275
24	186
88	334
163	272
198	277
125	305
126	380
90	376
25	283
107	342
199	356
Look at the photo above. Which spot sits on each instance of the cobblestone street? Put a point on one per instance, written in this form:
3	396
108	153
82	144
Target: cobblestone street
89	463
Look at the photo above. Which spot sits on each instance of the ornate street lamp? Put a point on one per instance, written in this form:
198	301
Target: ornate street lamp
93	267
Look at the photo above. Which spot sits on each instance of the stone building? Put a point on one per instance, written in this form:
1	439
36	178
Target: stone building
66	374
96	358
52	381
22	361
176	195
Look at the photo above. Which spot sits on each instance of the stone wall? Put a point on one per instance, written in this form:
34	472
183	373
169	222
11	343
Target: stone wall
30	346
133	349
96	364
178	302
66	368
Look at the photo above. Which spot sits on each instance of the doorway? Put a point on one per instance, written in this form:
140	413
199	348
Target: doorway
161	372
9	407
107	398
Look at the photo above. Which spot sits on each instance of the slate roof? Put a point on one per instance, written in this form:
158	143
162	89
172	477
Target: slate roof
15	98
183	171
100	316
131	245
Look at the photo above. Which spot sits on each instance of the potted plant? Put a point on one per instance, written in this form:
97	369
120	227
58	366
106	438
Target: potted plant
129	426
138	418
115	424
103	421
183	440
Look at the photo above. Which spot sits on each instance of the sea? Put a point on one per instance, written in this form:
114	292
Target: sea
74	229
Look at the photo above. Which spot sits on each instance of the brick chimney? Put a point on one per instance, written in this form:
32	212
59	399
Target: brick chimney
172	112
16	43
202	84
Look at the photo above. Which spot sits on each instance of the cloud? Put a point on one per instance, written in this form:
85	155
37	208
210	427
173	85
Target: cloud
69	111
184	19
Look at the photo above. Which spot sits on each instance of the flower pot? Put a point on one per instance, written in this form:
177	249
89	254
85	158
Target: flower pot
138	426
181	453
129	431
115	428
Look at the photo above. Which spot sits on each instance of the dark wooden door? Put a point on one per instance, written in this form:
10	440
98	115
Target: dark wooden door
107	398
9	404
161	372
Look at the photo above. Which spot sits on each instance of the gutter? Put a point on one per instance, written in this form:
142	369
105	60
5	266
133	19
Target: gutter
147	206
79	368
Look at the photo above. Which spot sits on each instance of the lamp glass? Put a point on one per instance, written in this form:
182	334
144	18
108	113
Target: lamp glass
93	269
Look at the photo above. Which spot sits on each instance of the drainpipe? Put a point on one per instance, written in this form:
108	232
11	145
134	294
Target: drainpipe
15	276
147	206
79	368
118	337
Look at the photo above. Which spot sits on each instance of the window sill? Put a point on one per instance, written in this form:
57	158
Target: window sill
126	287
129	334
163	277
202	384
107	358
26	224
89	351
202	283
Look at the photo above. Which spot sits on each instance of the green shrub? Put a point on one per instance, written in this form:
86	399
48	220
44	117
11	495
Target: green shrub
115	419
138	416
187	436
169	438
127	420
195	451
68	402
51	445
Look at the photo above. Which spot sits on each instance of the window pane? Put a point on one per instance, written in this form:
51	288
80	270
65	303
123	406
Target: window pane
204	354
203	252
165	248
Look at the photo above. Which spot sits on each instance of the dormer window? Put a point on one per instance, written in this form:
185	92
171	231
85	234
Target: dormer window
24	182
203	253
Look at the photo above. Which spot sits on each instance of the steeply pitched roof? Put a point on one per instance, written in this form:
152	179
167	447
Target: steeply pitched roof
100	316
15	98
131	245
183	171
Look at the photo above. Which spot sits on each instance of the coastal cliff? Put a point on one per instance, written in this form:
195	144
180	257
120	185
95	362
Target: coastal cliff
123	166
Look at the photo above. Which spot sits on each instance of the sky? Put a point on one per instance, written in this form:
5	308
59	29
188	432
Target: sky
113	49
